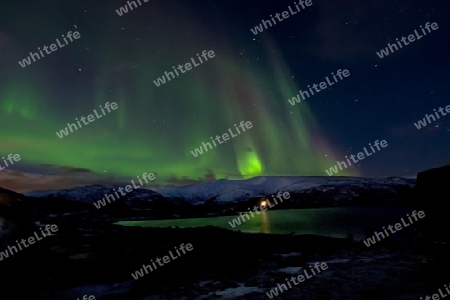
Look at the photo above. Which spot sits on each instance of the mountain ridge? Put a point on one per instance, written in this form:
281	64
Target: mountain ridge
226	191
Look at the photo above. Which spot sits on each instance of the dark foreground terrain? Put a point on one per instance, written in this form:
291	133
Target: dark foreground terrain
80	260
89	255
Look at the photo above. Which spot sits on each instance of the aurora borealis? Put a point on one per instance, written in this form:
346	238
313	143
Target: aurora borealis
250	78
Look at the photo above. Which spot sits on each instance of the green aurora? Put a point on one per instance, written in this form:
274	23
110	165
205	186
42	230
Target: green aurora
155	128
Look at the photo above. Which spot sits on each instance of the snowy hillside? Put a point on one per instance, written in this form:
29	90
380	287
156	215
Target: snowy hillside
226	191
235	190
92	193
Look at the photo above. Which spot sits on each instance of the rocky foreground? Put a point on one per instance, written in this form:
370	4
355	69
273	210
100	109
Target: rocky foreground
94	258
89	255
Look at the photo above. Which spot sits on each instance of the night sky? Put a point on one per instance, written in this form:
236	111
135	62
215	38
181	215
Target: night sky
251	77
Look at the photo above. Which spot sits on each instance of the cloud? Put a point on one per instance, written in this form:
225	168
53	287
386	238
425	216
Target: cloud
50	177
63	169
23	181
75	170
184	180
210	176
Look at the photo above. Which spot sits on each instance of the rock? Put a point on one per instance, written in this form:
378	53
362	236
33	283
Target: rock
433	199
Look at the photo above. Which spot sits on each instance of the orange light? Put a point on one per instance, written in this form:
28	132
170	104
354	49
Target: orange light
263	203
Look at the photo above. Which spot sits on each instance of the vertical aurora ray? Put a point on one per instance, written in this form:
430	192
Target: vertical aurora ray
155	128
279	143
19	103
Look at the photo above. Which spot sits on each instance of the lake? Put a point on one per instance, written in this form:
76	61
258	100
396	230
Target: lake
333	222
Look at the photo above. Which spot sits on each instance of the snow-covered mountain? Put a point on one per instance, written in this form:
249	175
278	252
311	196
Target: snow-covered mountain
227	191
235	190
91	194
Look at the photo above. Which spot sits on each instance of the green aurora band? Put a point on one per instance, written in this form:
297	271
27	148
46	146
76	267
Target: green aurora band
155	128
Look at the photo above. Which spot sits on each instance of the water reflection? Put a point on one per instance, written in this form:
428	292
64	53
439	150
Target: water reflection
334	222
265	224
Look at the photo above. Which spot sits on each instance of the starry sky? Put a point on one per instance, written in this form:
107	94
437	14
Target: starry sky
249	79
